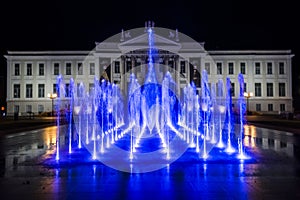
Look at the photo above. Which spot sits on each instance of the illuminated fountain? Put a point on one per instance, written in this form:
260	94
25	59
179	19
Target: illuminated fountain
152	122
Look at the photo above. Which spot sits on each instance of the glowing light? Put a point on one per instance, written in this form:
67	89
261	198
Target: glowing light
229	149
199	122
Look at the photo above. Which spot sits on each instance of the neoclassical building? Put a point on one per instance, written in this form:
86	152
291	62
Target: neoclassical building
32	75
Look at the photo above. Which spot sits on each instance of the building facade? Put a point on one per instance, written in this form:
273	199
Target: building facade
32	75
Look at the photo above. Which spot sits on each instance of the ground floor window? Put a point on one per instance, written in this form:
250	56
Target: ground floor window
16	108
28	108
40	109
258	107
270	107
282	107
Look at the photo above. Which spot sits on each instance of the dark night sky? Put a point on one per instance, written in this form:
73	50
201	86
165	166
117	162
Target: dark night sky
76	25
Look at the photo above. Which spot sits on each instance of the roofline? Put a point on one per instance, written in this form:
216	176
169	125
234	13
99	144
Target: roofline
212	52
250	52
60	52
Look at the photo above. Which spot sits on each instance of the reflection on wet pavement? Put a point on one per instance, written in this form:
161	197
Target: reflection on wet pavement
274	173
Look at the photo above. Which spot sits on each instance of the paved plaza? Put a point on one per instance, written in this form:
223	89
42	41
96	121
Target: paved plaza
273	172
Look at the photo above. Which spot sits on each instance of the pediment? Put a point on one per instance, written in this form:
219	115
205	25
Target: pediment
141	42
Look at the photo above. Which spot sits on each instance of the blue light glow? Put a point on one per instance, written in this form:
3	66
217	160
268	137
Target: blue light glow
153	118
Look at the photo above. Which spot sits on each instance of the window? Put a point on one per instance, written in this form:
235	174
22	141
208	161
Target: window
17	69
282	89
28	90
17	88
29	69
182	67
171	63
269	68
56	68
40	109
28	108
80	68
257	68
207	67
16	108
68	69
281	68
80	90
282	107
257	89
91	86
92	68
243	67
232	89
196	78
230	68
41	90
219	88
54	88
219	68
269	89
117	67
128	64
41	69
258	107
270	107
67	90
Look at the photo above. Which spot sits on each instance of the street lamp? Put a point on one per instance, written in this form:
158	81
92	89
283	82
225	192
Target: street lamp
248	95
52	96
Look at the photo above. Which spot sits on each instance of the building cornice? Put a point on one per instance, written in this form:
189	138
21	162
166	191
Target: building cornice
41	53
249	52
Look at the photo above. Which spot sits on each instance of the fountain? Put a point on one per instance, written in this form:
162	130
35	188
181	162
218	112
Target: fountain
151	125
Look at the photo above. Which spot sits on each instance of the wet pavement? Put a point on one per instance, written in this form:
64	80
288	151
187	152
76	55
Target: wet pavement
272	173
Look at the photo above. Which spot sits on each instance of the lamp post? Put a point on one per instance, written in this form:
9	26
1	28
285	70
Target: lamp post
248	95
52	96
